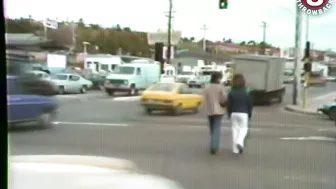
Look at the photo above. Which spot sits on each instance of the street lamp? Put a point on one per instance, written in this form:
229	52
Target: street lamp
85	44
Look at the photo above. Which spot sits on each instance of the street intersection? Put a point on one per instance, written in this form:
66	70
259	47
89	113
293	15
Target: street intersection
285	150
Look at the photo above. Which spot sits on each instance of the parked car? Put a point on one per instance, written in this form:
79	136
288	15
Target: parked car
174	97
39	74
26	107
329	110
81	172
71	83
331	78
183	77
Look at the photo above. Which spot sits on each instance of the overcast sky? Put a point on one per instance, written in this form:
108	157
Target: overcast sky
241	21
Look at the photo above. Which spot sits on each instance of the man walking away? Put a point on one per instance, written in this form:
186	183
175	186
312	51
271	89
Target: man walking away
239	107
214	102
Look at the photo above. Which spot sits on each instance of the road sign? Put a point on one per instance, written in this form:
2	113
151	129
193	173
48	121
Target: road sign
162	37
48	23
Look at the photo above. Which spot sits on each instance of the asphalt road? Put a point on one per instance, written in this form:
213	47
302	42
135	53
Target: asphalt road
177	147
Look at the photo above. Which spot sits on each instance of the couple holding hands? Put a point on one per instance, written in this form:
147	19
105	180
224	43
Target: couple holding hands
236	103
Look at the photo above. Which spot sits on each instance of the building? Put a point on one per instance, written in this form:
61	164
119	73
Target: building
191	58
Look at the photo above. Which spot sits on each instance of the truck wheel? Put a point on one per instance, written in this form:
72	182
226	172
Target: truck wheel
109	92
332	113
133	91
280	99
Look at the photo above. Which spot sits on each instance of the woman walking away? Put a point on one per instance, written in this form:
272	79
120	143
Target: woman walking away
239	108
214	102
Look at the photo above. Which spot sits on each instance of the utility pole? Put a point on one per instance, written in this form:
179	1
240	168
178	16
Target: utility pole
264	26
168	54
73	34
298	51
204	28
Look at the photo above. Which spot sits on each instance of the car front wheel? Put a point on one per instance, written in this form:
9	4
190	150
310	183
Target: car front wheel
332	114
45	120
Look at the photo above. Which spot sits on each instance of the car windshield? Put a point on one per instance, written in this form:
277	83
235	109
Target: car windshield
127	70
166	87
59	77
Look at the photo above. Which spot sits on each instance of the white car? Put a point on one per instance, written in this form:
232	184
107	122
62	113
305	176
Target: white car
331	78
80	172
71	83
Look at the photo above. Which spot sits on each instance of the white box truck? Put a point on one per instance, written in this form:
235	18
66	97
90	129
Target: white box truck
264	76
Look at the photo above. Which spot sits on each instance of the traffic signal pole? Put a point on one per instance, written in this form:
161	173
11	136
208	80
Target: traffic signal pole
168	54
298	51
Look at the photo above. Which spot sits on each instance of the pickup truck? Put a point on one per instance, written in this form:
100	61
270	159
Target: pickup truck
29	107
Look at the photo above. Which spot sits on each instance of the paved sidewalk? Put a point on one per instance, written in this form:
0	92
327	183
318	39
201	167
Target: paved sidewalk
313	104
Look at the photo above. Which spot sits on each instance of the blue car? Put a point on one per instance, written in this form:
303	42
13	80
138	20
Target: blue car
25	107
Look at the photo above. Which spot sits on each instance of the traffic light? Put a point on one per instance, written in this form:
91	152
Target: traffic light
159	55
223	4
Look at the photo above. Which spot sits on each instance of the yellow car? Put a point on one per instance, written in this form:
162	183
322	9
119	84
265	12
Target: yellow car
174	97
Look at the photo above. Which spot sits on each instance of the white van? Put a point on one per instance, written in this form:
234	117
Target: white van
132	77
102	63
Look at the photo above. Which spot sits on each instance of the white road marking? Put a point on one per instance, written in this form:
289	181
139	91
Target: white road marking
325	96
328	129
128	98
310	138
91	124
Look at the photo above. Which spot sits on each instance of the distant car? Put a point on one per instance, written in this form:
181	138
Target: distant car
174	97
197	81
24	107
81	172
71	83
289	79
39	74
329	110
331	78
184	77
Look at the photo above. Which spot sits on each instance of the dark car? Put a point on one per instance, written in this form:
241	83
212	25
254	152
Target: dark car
27	106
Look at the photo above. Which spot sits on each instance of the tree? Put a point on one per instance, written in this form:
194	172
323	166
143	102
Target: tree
243	43
228	41
251	43
192	39
80	23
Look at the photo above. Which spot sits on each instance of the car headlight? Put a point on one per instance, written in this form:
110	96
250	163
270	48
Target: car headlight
125	82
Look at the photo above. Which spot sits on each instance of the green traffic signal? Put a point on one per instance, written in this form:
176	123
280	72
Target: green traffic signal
223	4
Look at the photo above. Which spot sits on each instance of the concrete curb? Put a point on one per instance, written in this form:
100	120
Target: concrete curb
292	108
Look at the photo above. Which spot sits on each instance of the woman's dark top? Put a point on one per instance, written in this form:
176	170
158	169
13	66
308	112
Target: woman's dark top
239	101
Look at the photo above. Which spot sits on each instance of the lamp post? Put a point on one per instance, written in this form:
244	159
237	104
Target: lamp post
85	44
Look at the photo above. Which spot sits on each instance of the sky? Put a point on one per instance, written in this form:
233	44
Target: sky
240	22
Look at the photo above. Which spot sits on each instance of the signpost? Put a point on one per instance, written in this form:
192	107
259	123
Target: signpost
162	37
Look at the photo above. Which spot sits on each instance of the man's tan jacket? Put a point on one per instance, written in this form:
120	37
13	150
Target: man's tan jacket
214	96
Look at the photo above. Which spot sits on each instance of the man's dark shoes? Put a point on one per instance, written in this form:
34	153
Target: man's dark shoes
240	148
